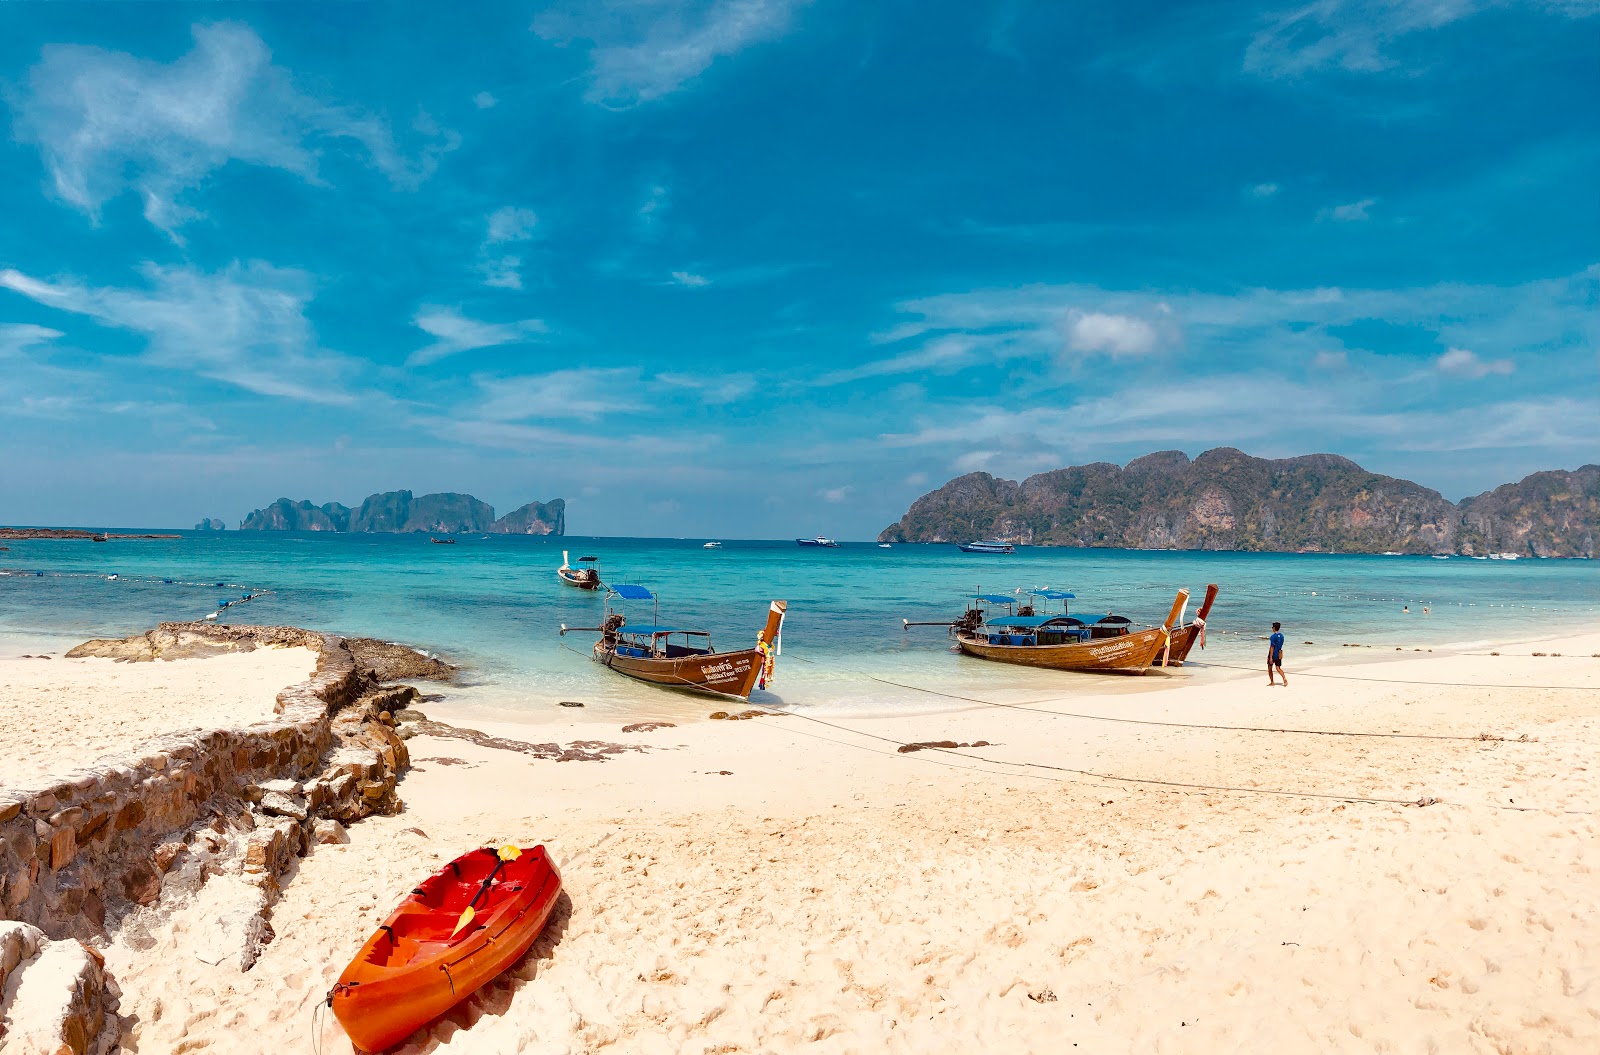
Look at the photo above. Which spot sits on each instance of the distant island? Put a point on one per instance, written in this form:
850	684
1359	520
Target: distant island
1227	500
211	524
441	514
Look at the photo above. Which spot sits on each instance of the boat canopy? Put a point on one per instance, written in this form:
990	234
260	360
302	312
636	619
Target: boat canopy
1056	595
1105	619
997	598
583	559
630	592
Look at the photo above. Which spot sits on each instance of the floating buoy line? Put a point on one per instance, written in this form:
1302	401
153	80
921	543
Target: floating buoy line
222	604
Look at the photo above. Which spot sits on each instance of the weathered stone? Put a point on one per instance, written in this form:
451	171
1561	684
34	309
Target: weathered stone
130	815
281	805
9	808
329	832
141	884
282	787
63	847
167	853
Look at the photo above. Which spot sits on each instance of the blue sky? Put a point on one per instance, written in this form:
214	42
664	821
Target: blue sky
761	268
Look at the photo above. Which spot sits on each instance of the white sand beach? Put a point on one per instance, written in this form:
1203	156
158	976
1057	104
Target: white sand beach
779	885
61	714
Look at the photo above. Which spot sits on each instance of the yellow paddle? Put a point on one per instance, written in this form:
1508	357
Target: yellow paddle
508	852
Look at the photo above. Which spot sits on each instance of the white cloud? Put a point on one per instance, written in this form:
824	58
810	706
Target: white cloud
506	226
1462	362
511	223
456	333
106	122
835	494
916	479
1263	190
1331	360
484	101
1116	335
1351	213
1356	36
18	337
687	278
646	49
245	325
584	393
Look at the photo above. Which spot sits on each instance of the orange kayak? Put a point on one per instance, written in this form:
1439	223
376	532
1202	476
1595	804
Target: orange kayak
413	969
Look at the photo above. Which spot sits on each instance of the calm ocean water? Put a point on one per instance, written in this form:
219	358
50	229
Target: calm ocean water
494	605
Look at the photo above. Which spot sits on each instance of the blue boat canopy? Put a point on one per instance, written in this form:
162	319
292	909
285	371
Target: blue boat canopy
1057	595
630	592
997	598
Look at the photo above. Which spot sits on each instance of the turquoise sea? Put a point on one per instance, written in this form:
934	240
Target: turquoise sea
494	605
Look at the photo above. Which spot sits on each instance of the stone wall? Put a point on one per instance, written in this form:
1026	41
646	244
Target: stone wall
103	839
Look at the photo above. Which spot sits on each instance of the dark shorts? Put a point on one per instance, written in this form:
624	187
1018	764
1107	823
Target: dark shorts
1275	659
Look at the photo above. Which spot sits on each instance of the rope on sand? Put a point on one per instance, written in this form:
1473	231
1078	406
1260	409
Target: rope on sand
1402	681
1034	709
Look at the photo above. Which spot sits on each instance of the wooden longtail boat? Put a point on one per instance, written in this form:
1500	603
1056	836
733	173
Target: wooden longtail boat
1090	644
682	659
1185	636
417	965
585	578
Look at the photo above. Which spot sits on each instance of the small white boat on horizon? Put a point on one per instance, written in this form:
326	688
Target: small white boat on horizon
988	545
712	545
820	540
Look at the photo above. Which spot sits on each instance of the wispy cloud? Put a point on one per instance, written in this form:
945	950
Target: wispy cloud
584	394
245	325
106	122
714	388
507	226
835	494
485	101
1359	36
1354	212
456	333
689	279
1263	190
646	49
18	337
1462	362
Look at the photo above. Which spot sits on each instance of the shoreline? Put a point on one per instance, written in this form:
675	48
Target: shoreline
786	881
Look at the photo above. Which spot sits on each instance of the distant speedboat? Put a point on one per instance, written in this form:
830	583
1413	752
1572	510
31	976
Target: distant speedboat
988	545
1441	556
442	541
712	545
1392	553
883	545
1508	556
820	540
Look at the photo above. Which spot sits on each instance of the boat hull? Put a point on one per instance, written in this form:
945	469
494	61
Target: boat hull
412	969
1185	637
718	673
582	579
1123	654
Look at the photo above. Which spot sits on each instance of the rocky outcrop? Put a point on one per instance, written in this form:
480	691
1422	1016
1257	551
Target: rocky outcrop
95	843
1225	499
211	524
1549	514
535	518
388	661
400	511
286	515
55	996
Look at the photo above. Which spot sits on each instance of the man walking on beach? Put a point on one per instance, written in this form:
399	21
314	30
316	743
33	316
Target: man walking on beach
1275	655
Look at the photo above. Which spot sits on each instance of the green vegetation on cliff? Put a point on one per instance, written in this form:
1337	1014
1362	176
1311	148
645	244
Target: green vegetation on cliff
1228	500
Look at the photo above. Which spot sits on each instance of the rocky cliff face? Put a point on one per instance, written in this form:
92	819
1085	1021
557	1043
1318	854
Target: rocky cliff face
211	524
441	513
285	515
1550	514
1225	499
535	518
